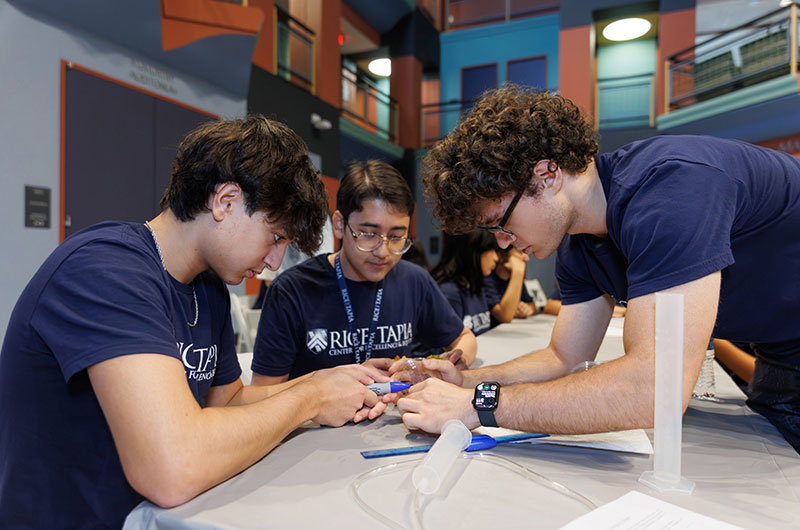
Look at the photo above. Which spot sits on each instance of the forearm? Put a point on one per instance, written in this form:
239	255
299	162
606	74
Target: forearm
614	396
541	365
505	309
225	439
738	361
254	392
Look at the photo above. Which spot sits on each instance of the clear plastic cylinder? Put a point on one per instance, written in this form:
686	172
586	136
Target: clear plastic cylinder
668	399
428	476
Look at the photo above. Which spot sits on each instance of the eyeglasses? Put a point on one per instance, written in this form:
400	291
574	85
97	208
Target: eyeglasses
499	227
368	241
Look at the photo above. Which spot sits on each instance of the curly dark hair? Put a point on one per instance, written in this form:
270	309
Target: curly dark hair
270	164
493	150
461	259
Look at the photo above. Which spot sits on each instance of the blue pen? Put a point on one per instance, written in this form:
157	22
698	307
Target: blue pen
388	388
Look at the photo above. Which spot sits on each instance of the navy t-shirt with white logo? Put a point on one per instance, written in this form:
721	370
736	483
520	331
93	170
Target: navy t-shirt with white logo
473	309
304	327
682	207
101	294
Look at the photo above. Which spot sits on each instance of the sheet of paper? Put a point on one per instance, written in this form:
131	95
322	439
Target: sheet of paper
633	441
637	511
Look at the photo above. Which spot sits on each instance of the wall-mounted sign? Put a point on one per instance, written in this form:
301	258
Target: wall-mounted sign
37	207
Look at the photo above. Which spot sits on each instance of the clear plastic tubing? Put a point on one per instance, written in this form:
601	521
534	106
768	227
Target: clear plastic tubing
428	476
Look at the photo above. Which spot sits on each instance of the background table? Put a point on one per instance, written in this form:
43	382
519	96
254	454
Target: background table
745	472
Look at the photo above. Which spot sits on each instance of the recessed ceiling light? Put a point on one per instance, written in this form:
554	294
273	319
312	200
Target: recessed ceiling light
381	67
626	29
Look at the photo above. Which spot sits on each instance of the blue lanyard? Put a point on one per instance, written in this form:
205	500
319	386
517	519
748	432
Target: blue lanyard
351	318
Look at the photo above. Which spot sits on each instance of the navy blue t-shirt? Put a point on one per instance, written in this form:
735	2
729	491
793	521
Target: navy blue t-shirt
682	207
500	285
101	294
473	309
303	324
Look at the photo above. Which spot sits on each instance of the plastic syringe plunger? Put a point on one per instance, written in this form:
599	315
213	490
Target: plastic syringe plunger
428	476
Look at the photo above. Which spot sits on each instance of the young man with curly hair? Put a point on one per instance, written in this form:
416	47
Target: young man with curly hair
119	380
714	220
362	303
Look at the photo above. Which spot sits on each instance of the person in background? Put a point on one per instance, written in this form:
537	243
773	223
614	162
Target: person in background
738	360
119	380
505	275
466	262
362	304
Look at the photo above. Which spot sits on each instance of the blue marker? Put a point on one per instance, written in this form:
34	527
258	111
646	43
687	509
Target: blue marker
388	388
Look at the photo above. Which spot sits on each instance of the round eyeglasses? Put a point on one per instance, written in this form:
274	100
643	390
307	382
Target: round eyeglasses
369	241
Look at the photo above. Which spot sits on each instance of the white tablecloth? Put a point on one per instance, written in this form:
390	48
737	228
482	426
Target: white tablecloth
745	472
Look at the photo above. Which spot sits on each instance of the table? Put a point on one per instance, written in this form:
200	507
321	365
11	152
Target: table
745	472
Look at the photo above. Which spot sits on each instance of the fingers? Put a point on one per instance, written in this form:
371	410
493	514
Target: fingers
376	411
455	355
405	405
371	398
439	365
380	363
412	421
361	414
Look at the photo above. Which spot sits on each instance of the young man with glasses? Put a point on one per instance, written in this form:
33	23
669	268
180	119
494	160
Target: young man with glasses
362	303
714	220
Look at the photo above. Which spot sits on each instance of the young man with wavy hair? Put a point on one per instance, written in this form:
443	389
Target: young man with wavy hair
119	380
698	216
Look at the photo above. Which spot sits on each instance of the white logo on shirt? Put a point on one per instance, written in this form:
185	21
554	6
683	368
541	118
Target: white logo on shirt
317	340
200	363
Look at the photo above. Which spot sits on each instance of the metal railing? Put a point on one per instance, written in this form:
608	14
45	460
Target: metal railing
294	45
438	119
464	13
754	52
364	103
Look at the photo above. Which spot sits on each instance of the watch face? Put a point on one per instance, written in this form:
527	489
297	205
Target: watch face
486	396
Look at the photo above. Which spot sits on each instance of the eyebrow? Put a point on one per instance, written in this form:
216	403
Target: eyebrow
378	227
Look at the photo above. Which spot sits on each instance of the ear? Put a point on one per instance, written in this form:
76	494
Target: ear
225	199
548	175
338	224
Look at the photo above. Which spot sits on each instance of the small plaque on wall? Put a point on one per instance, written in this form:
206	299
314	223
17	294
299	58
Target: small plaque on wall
37	207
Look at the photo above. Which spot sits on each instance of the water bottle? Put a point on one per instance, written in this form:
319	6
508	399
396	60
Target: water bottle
705	387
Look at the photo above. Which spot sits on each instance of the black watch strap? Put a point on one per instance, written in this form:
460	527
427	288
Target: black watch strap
486	417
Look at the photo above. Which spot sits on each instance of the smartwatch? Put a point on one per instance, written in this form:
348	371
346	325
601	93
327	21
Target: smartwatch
487	395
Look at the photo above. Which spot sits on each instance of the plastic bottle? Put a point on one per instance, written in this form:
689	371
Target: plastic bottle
705	387
428	476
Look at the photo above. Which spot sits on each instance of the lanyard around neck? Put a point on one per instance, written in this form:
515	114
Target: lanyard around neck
351	318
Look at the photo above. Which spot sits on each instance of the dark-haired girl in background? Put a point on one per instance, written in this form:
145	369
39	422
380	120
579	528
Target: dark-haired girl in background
461	274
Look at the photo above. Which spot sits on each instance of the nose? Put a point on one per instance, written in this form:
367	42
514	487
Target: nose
383	249
274	257
503	239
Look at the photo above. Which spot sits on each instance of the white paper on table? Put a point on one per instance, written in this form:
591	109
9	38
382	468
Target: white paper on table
637	511
632	441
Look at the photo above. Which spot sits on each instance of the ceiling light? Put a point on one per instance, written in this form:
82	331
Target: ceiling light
626	29
381	67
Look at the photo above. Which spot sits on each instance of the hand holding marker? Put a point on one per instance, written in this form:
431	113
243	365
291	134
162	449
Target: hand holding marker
388	388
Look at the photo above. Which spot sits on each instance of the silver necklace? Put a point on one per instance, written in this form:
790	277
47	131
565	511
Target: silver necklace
160	255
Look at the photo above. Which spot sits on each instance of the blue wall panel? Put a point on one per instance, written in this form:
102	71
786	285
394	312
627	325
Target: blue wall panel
498	43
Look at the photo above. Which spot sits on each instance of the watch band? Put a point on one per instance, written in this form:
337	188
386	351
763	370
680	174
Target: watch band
486	417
